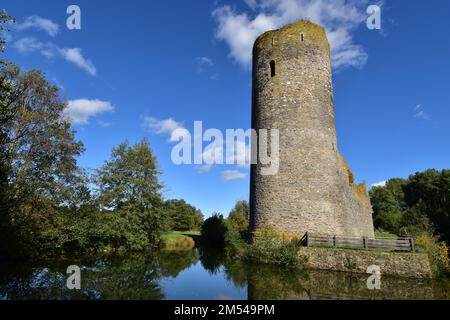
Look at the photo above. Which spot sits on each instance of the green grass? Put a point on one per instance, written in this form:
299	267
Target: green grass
181	234
179	240
385	235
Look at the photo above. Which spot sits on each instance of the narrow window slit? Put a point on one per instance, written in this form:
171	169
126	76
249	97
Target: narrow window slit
272	69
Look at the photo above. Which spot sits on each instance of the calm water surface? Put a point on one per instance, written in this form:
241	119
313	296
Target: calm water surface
199	274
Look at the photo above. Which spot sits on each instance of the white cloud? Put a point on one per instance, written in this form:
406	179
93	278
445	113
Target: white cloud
213	153
36	22
204	62
419	113
104	124
81	110
27	45
206	65
379	184
50	50
163	127
30	45
340	18
204	168
75	56
240	158
253	4
422	115
230	175
242	154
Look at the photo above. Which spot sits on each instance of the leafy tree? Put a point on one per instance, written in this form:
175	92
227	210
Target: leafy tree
214	231
5	18
395	186
38	156
415	221
387	211
128	186
182	216
239	217
430	192
237	232
46	205
416	205
130	176
6	91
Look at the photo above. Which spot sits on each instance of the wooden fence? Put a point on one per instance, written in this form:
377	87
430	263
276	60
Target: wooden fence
401	244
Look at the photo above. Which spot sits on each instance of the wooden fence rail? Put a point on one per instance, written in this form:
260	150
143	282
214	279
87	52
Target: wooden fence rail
401	244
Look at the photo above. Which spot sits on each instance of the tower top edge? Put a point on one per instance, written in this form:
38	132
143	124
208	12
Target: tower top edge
315	32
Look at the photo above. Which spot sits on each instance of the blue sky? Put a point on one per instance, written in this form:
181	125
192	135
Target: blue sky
142	68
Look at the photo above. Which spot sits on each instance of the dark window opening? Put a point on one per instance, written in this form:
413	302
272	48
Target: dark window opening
272	69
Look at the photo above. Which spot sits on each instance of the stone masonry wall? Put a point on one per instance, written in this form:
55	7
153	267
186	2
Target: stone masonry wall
314	190
410	265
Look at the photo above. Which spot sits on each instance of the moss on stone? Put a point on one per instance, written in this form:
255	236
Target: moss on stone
314	33
269	233
348	171
359	190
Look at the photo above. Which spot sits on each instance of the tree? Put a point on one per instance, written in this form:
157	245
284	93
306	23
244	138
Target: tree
395	186
6	90
387	212
239	216
429	192
5	18
130	176
38	156
182	216
416	205
214	230
129	188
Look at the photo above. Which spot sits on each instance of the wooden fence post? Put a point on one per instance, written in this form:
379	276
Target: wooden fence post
411	244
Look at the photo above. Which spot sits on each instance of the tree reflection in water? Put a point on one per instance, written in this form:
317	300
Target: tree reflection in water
141	277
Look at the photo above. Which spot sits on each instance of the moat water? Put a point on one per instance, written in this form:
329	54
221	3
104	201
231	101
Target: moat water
198	274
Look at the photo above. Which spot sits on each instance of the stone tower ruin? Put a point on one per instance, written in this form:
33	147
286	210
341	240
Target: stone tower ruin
314	190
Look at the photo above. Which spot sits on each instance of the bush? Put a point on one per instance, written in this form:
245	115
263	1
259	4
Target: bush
437	253
268	248
213	232
178	244
235	241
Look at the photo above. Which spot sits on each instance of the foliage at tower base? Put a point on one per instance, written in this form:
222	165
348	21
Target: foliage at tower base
231	236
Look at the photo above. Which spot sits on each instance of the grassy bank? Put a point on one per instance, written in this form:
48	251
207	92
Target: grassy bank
179	240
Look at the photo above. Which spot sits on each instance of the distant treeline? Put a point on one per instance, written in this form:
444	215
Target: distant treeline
51	206
409	207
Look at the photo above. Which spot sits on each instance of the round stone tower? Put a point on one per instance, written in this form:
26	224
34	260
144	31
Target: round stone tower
313	190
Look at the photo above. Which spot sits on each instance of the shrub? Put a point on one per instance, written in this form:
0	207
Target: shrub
213	231
437	253
178	244
268	248
235	241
